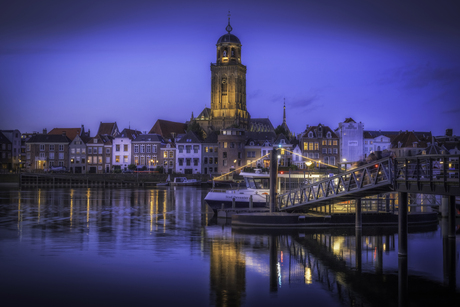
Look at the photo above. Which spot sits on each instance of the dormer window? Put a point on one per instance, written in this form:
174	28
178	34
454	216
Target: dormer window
251	143
283	142
189	140
95	141
310	134
328	135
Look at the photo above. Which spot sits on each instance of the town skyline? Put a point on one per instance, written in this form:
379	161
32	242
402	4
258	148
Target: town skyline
392	67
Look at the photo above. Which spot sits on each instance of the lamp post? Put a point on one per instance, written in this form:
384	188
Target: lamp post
308	163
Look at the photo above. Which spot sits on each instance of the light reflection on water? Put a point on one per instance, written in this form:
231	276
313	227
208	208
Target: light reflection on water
118	247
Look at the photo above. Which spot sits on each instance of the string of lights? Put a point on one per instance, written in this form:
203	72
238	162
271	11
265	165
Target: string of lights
217	178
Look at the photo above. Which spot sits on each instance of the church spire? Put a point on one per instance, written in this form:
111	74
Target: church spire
284	112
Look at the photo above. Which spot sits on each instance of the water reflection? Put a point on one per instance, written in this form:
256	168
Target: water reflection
165	246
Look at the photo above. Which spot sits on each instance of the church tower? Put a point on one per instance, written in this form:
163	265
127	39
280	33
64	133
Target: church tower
228	84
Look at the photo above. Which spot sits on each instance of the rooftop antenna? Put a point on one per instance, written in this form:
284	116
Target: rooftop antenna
229	27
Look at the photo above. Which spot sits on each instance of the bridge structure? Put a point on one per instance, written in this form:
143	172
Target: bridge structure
423	174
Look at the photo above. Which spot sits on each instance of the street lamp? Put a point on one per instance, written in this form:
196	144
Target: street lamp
308	163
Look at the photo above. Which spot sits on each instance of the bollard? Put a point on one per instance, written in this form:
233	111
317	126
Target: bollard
233	203
250	202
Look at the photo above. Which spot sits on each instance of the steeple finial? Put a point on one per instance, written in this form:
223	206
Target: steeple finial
284	112
229	27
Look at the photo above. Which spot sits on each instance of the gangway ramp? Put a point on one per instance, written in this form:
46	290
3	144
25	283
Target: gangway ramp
370	179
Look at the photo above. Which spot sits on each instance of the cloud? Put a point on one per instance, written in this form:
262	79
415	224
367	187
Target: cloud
421	76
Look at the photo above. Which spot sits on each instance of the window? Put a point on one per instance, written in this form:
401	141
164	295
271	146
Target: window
224	162
51	147
149	148
142	148
171	154
188	148
239	155
251	154
83	150
196	148
310	145
210	149
224	154
117	147
125	147
332	160
42	147
107	159
99	160
181	162
100	150
90	150
206	149
195	162
89	160
210	160
78	150
205	161
165	154
324	150
187	162
61	147
215	162
316	146
171	164
225	144
125	159
107	150
330	150
334	142
136	148
42	155
232	145
330	142
61	156
51	155
324	142
181	148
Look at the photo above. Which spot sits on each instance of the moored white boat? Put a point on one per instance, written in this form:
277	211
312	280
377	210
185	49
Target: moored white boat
257	186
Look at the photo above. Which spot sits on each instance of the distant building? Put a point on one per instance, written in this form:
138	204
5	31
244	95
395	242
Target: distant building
44	151
321	145
77	156
122	148
110	129
351	135
14	136
99	154
409	143
146	150
210	154
168	154
231	148
5	153
189	154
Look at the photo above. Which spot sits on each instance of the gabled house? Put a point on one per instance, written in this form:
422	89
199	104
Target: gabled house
168	157
284	149
122	148
320	143
409	143
77	156
14	136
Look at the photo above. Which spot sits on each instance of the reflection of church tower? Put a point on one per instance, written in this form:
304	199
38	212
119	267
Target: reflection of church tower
228	84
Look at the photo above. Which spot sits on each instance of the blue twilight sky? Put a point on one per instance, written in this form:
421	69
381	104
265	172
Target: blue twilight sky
393	65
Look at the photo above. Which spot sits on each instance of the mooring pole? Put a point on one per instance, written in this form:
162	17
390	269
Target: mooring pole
358	216
402	224
273	179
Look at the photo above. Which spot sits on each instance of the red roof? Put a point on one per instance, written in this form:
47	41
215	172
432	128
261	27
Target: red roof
165	128
71	133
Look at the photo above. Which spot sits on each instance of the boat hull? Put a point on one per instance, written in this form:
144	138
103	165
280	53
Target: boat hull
216	199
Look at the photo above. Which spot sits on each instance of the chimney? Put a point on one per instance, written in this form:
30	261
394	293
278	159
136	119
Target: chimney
449	132
63	133
82	132
45	131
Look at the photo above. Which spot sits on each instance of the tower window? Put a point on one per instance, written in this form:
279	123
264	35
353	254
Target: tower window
224	86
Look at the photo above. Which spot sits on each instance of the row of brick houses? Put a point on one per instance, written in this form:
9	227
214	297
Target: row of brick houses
171	146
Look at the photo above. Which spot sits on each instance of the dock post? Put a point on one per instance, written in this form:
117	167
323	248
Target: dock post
444	206
273	179
451	216
250	202
358	248
358	215
233	203
402	224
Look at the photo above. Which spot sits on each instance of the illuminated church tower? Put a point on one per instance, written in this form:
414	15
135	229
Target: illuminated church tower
228	84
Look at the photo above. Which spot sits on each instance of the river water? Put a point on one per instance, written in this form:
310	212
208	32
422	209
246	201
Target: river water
163	247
